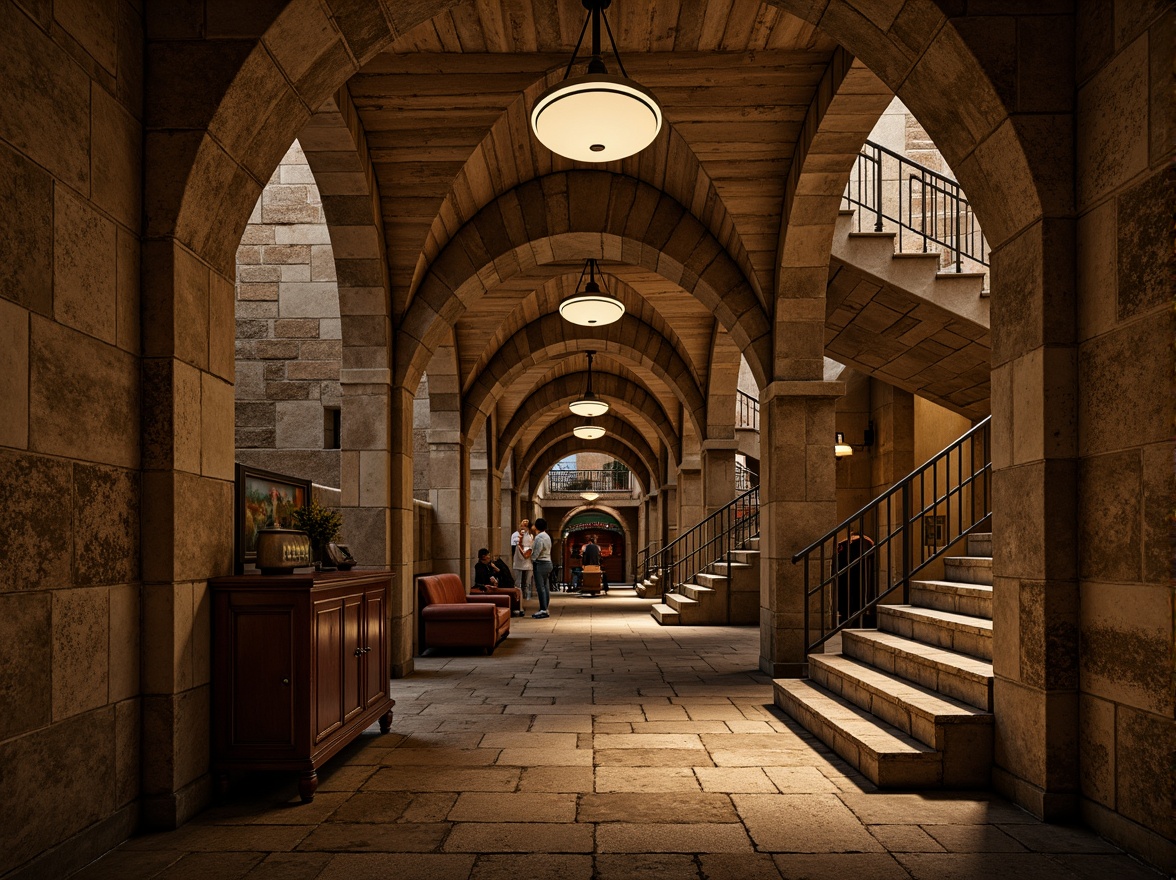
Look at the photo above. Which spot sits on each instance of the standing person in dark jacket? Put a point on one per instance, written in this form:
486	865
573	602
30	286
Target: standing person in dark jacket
486	581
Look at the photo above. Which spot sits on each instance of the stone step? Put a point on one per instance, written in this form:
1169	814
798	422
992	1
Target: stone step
752	544
971	599
665	615
962	734
696	592
957	632
968	569
711	581
747	557
980	544
883	754
954	675
680	602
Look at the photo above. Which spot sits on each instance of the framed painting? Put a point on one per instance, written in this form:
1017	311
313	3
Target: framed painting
263	500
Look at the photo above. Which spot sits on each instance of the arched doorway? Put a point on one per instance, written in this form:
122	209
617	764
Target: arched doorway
603	529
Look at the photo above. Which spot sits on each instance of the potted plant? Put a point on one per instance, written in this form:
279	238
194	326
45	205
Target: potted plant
322	526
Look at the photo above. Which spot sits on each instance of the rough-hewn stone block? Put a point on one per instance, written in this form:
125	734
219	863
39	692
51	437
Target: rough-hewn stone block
26	248
83	267
81	633
25	643
106	525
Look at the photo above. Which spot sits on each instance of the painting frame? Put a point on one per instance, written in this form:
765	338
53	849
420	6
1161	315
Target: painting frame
242	554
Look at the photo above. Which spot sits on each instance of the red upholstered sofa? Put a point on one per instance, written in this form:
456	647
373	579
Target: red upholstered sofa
451	619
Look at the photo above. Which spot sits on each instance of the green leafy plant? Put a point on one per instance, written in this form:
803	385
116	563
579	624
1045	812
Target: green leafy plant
322	524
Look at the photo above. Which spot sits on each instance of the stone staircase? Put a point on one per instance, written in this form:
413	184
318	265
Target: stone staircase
710	599
909	704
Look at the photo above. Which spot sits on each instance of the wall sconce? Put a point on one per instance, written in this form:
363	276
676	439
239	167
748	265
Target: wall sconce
841	449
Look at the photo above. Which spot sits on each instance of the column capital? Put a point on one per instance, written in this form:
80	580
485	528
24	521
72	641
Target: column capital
792	388
730	445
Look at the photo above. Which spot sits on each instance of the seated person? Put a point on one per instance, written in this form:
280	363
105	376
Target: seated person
486	575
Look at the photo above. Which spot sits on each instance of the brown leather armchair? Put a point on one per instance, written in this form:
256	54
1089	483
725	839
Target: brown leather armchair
451	619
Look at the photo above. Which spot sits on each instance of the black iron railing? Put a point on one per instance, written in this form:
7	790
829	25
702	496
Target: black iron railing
712	540
746	411
919	201
879	549
745	477
599	480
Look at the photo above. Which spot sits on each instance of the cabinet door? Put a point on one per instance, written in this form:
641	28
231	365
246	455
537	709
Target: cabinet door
375	656
262	668
353	655
329	667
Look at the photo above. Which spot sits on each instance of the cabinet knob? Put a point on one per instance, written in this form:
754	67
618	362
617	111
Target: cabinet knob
286	682
358	652
368	649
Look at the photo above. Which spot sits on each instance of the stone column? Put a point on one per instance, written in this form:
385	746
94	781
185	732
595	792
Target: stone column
798	503
401	543
718	470
364	465
480	495
449	469
187	518
691	509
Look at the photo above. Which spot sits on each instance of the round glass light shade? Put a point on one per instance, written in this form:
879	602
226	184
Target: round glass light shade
588	407
589	309
589	432
596	118
589	496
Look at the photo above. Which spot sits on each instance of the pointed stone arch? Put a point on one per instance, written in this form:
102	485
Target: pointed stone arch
561	449
617	427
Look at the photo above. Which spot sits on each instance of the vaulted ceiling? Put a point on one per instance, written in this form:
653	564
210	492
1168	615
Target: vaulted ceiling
445	113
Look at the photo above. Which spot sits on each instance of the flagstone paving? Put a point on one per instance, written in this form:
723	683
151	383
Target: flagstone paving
597	745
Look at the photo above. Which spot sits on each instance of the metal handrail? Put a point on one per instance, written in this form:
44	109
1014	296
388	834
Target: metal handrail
844	567
745	477
598	480
944	217
747	410
710	541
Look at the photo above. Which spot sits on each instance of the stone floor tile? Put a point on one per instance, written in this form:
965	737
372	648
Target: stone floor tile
557	779
1058	839
983	866
572	757
344	778
532	866
665	713
758	758
222	865
652	757
968	839
755	742
432	806
647	741
372	806
514	807
646	779
225	838
934	808
734	779
442	740
906	838
799	780
376	837
386	866
646	867
742	866
676	727
839	866
677	838
443	757
678	806
1100	867
294	812
613	727
531	837
124	863
562	724
803	823
290	866
444	779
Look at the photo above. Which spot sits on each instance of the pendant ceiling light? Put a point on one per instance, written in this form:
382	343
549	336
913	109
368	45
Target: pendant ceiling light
589	431
596	117
592	306
589	405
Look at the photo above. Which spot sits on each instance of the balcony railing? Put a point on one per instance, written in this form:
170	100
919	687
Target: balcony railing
601	480
747	411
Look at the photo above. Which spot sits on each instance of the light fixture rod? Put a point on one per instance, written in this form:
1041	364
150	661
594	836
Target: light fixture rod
616	54
576	51
589	393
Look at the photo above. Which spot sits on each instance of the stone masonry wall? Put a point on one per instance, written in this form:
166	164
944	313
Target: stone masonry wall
71	166
289	345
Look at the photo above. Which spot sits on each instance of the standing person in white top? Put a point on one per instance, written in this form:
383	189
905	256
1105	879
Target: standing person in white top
520	547
541	560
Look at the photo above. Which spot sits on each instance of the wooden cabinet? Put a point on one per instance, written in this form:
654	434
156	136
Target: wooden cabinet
299	668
